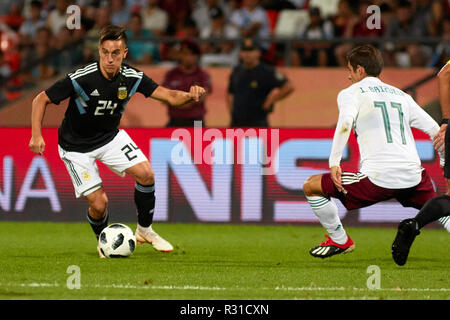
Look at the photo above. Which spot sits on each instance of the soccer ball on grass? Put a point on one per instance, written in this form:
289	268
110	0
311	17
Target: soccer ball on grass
117	240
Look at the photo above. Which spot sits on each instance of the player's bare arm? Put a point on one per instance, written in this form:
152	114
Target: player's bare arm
40	102
179	98
444	98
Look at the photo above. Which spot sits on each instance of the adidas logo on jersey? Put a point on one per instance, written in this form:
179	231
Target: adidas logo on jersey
95	93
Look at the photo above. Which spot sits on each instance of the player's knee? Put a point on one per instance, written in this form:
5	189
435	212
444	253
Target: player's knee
147	177
98	206
439	204
310	186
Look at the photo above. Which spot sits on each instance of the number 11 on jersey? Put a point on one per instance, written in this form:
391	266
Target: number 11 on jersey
386	121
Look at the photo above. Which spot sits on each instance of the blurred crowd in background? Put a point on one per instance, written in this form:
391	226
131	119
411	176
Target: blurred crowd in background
32	30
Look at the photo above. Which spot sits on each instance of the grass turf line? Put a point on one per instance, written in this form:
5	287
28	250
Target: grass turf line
219	262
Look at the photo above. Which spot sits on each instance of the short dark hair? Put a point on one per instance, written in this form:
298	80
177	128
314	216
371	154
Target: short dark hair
368	57
36	3
136	15
191	45
112	32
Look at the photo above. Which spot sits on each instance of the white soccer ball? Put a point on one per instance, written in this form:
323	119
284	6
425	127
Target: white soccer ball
117	240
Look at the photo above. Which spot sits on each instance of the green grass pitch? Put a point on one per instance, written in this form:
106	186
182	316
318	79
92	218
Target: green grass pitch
219	262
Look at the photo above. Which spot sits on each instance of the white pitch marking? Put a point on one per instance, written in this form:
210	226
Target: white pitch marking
206	288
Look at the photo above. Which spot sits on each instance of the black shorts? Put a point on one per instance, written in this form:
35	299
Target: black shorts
447	153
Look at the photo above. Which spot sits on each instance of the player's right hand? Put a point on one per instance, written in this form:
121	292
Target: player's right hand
37	145
336	177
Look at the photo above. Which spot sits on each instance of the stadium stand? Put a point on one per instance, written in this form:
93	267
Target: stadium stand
290	21
34	48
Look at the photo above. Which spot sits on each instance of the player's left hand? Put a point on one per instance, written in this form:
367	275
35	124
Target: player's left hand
197	93
439	139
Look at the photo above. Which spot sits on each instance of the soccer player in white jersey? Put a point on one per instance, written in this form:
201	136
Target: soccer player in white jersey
382	117
98	94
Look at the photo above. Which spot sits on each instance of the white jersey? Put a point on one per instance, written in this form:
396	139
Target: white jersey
382	117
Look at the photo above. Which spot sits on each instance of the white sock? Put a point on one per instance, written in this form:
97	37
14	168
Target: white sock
445	221
144	229
327	213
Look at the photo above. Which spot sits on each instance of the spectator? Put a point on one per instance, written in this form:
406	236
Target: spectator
356	27
12	59
314	54
88	17
5	69
4	7
44	35
179	11
81	33
446	5
222	53
359	27
279	5
442	52
5	72
252	21
69	56
30	26
254	88
234	5
45	69
186	74
155	19
14	18
299	4
56	19
90	52
422	10
387	13
187	30
435	19
404	25
202	12
343	17
120	14
140	51
136	6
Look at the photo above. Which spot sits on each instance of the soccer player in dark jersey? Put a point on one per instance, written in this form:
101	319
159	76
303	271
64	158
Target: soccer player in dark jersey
437	208
98	94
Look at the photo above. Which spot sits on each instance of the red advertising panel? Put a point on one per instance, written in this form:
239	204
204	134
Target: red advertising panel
201	175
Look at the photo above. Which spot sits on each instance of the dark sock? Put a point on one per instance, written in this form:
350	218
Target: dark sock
98	224
433	210
144	197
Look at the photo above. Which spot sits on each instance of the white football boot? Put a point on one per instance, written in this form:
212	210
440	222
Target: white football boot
144	235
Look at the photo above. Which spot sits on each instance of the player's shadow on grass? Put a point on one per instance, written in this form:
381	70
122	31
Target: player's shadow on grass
356	263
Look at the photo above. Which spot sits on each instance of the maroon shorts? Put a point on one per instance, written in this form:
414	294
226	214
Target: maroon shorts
362	193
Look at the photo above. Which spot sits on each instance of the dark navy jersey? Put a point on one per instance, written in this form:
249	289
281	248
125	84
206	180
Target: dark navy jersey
250	88
96	104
